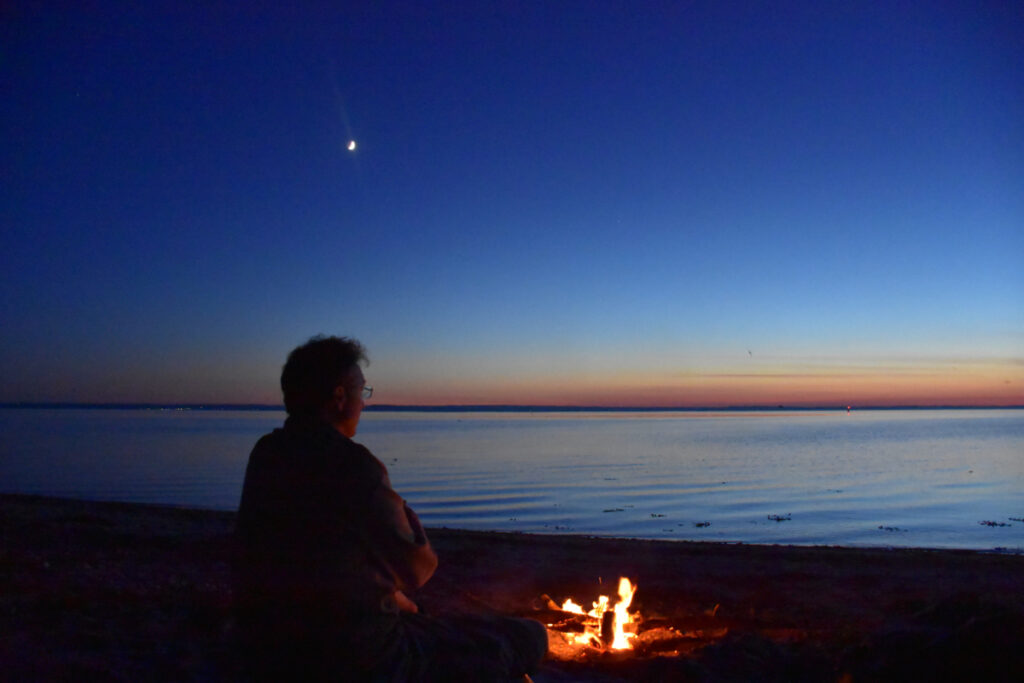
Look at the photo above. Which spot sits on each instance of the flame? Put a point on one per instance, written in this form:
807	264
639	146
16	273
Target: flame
570	606
622	617
591	635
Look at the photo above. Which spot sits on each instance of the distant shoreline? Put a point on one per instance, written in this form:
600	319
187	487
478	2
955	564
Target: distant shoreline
383	407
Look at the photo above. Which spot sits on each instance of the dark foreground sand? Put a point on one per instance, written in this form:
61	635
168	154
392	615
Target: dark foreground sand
101	591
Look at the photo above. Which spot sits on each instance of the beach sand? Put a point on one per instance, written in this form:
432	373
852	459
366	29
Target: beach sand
108	591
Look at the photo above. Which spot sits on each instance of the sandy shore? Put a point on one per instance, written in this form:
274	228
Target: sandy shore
106	591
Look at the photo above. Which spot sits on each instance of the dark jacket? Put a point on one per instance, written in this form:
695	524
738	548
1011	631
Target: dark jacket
321	535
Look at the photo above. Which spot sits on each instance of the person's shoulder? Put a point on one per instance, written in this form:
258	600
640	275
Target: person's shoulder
357	451
272	438
361	461
357	447
268	444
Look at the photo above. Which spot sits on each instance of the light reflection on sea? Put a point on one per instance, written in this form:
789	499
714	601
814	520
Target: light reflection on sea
903	478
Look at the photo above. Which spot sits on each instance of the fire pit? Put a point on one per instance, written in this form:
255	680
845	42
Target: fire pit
603	627
610	629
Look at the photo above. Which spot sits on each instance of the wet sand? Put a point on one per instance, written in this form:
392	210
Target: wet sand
107	591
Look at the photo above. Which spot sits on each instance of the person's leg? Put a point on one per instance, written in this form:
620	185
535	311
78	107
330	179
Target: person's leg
520	644
466	648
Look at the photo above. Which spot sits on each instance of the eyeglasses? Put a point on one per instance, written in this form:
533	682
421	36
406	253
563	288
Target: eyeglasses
367	392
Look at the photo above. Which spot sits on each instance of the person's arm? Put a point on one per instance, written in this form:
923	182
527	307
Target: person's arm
400	538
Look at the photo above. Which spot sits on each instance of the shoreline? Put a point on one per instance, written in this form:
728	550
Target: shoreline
138	505
123	591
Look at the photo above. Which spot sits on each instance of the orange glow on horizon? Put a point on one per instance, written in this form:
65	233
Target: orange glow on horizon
996	384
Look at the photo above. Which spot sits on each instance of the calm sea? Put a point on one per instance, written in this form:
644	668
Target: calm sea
941	478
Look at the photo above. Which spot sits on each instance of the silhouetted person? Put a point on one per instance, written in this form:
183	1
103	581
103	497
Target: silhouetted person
327	553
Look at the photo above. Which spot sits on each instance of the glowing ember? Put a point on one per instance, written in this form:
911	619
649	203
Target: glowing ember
606	625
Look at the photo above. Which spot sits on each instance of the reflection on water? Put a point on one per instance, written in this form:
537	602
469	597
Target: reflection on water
908	478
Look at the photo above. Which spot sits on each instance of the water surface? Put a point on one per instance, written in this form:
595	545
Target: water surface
901	478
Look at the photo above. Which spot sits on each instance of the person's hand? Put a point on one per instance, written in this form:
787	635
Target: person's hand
404	603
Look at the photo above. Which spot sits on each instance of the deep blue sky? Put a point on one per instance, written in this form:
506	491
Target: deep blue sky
594	202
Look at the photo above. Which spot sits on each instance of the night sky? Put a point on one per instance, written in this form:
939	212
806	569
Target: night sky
598	203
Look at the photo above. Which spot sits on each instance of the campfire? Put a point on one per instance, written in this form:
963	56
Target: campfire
610	628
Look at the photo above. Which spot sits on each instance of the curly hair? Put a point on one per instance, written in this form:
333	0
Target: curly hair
314	369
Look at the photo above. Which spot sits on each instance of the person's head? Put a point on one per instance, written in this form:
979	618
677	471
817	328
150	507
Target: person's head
322	379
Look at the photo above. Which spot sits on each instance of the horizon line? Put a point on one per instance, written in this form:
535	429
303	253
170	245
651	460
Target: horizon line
496	407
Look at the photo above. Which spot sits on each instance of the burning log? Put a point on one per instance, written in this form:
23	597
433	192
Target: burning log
608	628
